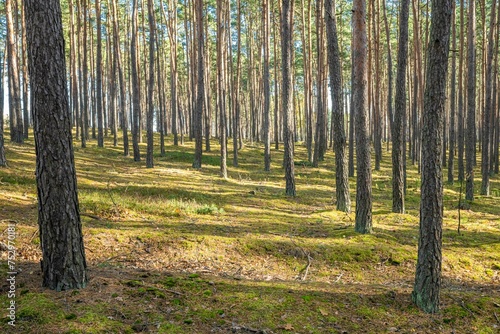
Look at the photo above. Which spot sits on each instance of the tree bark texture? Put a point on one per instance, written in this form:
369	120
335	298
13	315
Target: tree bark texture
428	272
63	264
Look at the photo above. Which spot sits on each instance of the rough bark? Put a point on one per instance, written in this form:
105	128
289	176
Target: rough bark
363	222
339	136
428	272
63	262
398	193
287	94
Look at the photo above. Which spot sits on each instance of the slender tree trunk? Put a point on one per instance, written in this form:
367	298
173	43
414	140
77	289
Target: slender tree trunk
3	159
471	102
398	193
151	84
63	253
15	115
487	126
360	90
320	136
390	113
118	60
287	93
222	9
428	272
461	117
98	68
135	85
339	136
198	114
267	90
451	153
26	114
236	118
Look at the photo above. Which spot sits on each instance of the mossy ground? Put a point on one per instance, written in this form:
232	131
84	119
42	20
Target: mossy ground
177	250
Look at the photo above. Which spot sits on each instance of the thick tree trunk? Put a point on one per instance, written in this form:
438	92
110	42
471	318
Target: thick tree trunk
63	264
339	136
471	103
287	94
428	272
398	193
360	91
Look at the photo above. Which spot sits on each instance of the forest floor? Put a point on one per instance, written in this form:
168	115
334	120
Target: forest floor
177	250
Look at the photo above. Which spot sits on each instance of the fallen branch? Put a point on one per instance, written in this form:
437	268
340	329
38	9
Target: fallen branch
338	277
496	317
33	235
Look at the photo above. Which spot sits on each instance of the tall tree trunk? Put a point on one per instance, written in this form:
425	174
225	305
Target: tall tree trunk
15	115
287	94
200	94
339	136
360	90
461	117
390	113
236	118
222	9
428	272
471	102
117	56
398	193
85	86
26	114
451	153
135	85
320	136
98	69
151	85
63	254
487	126
73	73
3	160
267	91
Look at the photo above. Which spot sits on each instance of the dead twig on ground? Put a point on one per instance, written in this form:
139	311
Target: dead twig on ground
90	216
496	317
306	254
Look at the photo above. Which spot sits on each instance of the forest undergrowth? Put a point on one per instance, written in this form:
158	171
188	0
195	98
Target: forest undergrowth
178	250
